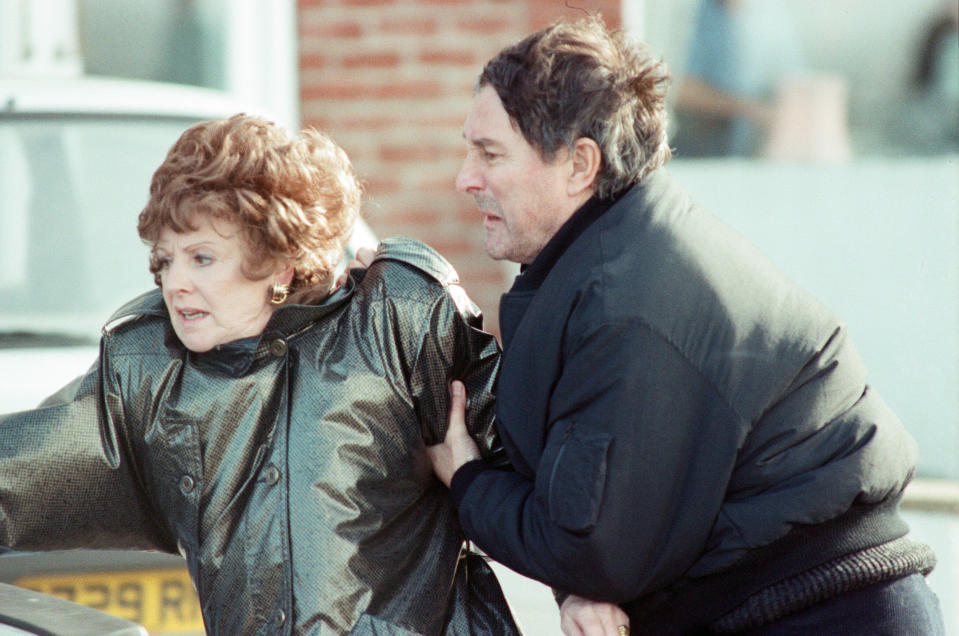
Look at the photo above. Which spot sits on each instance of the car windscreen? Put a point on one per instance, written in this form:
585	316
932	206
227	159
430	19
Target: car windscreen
70	192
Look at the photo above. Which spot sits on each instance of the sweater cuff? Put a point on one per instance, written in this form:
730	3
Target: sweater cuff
463	477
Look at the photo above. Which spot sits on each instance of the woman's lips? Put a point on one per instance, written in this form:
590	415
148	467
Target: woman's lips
189	315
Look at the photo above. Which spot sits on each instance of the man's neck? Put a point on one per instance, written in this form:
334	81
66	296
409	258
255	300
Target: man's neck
533	274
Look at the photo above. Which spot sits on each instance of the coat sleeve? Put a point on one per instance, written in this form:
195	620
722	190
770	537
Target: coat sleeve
630	478
454	346
66	480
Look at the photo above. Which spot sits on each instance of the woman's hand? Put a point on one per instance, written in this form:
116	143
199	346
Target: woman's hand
364	257
457	447
582	617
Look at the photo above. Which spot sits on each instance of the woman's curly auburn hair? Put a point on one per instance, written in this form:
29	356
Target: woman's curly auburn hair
294	199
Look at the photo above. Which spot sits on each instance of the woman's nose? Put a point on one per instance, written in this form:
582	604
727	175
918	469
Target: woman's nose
175	277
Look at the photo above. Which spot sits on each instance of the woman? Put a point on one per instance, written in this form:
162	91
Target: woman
270	431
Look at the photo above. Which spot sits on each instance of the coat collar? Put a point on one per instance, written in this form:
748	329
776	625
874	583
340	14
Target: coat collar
235	358
288	320
533	275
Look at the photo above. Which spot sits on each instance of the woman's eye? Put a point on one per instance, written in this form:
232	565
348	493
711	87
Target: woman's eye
202	259
162	262
489	156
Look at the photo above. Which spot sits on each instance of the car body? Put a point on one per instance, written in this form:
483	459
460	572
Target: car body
26	612
78	155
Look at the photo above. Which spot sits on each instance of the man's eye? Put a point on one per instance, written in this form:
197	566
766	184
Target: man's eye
489	156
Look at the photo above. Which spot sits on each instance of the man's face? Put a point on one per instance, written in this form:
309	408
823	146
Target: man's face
524	200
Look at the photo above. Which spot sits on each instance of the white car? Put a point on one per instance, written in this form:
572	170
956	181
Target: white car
77	158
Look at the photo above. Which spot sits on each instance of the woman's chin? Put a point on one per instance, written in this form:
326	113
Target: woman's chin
197	343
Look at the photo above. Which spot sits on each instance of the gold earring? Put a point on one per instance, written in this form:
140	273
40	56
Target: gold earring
278	293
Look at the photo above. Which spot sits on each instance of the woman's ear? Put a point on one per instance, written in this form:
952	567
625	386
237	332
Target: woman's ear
586	160
285	275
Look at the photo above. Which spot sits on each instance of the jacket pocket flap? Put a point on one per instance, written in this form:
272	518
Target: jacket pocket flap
578	478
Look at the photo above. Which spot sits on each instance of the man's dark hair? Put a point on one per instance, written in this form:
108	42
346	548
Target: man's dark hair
579	79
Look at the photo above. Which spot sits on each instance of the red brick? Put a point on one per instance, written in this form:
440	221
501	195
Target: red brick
453	58
410	26
382	185
326	30
453	249
444	183
371	60
376	122
355	90
492	276
485	25
452	121
320	123
431	3
423	217
312	61
545	12
420	152
349	88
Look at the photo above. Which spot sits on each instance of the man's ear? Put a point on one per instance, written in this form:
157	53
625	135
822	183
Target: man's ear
586	161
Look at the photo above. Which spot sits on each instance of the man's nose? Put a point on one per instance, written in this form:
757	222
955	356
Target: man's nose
468	180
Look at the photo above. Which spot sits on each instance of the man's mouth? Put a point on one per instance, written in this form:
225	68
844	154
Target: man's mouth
490	220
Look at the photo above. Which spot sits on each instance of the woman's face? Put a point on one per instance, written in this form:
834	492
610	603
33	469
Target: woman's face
209	299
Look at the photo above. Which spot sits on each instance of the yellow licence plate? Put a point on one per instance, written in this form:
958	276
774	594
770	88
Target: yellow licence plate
162	600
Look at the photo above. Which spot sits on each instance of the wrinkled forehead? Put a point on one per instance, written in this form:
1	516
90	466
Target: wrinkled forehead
203	228
489	126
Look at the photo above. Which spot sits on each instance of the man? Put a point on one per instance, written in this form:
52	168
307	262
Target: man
691	435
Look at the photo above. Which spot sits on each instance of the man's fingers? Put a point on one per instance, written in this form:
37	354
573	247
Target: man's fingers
364	257
457	407
570	627
583	617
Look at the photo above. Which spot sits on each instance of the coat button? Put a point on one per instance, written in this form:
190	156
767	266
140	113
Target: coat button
271	474
278	348
280	617
187	484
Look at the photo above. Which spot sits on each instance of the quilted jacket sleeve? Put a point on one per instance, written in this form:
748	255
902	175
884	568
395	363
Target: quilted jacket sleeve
456	348
450	344
65	478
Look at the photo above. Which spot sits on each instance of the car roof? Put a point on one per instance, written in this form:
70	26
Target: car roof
115	97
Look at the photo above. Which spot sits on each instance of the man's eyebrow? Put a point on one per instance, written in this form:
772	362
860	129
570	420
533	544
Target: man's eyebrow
482	142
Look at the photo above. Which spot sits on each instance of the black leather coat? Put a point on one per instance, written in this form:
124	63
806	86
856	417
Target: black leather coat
290	470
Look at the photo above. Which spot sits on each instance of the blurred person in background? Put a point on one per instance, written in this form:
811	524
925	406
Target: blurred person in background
693	444
272	432
740	52
930	121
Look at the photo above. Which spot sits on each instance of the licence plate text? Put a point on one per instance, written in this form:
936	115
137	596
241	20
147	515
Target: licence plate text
163	600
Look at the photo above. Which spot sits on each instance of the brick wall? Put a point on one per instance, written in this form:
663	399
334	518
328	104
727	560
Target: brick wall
391	81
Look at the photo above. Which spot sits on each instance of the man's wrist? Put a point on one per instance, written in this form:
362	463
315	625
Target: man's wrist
463	477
